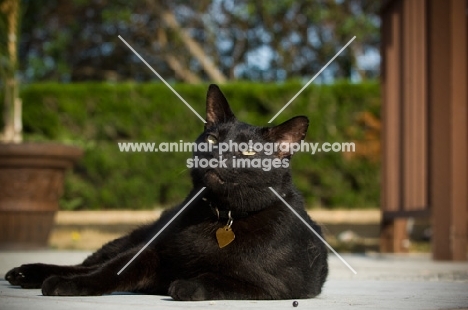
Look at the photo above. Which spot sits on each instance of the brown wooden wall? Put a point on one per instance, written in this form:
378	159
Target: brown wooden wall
424	92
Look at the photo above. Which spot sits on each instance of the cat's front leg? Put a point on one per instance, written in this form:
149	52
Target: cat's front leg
140	275
33	275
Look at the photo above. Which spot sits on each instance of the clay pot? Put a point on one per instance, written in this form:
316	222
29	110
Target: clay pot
31	184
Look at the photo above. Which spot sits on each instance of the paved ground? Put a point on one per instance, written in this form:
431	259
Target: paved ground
382	282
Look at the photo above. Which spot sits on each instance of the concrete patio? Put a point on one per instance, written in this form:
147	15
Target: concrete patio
382	282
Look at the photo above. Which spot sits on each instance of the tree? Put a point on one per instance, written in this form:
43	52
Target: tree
10	10
197	40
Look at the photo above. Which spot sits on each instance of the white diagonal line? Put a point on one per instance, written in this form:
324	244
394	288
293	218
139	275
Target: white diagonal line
312	79
160	231
317	234
160	77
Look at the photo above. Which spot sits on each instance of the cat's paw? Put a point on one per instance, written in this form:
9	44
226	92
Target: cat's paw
185	290
26	276
65	286
58	286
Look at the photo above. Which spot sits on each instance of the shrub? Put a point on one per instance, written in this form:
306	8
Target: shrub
97	116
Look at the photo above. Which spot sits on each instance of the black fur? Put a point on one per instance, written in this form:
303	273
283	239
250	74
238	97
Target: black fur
273	256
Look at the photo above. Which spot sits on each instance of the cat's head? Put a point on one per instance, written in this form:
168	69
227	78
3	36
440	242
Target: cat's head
240	176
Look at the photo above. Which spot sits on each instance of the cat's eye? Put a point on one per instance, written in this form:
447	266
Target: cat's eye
249	153
211	139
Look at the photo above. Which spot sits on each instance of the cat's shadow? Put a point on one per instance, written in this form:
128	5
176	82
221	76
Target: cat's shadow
163	297
14	287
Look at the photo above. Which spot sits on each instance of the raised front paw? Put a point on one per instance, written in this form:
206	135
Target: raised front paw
27	276
187	290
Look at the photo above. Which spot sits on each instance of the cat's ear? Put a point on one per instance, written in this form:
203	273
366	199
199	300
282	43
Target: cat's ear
217	107
291	131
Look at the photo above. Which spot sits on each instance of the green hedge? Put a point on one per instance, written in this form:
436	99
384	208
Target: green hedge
97	116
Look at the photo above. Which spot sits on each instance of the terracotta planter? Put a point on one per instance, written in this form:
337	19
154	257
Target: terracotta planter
31	184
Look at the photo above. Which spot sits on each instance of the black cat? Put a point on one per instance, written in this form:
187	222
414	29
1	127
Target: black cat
236	240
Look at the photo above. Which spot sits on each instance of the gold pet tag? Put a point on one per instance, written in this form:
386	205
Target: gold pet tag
225	236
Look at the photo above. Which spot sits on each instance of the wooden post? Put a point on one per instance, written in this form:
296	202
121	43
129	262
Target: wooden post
404	111
394	236
448	127
393	231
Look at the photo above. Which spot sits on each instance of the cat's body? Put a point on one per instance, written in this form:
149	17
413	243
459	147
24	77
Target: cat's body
272	256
